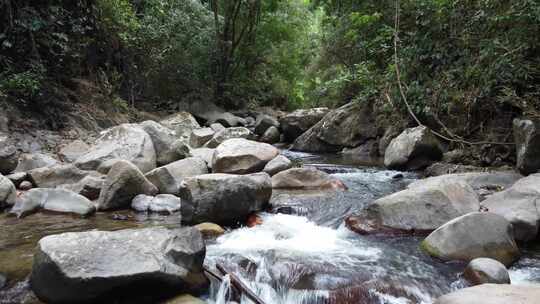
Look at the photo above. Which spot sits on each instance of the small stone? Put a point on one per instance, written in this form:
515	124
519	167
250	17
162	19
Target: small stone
210	229
25	186
485	270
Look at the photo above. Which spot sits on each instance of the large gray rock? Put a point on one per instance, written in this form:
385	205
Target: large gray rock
413	149
52	177
73	150
128	142
485	270
162	203
420	209
224	198
168	178
54	200
123	183
205	154
296	123
8	155
278	164
211	113
32	161
271	135
8	192
349	126
182	123
305	178
527	138
264	122
520	205
242	156
102	266
164	141
201	136
493	294
367	153
471	236
90	186
229	133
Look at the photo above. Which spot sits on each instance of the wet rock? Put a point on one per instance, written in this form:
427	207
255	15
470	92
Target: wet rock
349	126
52	177
25	186
278	164
413	149
210	229
164	141
73	150
168	178
9	157
162	203
32	161
527	137
224	198
305	178
242	156
264	122
199	137
185	299
441	168
226	134
17	178
54	200
366	153
8	192
90	186
128	142
493	294
299	121
182	123
122	184
205	154
471	236
520	205
101	266
271	135
417	210
484	270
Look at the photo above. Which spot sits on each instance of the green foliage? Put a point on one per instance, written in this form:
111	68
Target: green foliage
25	84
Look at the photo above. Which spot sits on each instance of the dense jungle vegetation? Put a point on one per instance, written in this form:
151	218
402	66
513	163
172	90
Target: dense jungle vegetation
460	62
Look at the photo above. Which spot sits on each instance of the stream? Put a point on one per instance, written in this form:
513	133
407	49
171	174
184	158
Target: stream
303	254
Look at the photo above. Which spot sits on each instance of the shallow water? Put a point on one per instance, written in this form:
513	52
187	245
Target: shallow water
307	256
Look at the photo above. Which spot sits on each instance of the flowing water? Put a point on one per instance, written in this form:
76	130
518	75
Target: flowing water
303	256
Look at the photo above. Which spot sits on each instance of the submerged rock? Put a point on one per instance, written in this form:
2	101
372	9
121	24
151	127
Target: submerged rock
296	123
101	266
242	156
493	294
162	203
474	235
527	137
54	200
419	209
123	183
413	149
224	198
127	142
8	192
485	270
168	178
278	164
305	178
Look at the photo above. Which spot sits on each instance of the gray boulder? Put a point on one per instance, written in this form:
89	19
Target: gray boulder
296	123
102	266
32	161
17	178
73	150
205	154
128	142
226	119
162	203
90	186
264	122
471	236
367	153
229	133
348	126
8	155
493	294
413	149
123	183
52	177
8	192
224	198
54	200
242	156
527	138
305	178
182	123
485	270
217	127
168	178
164	141
278	164
520	205
418	210
201	136
271	135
